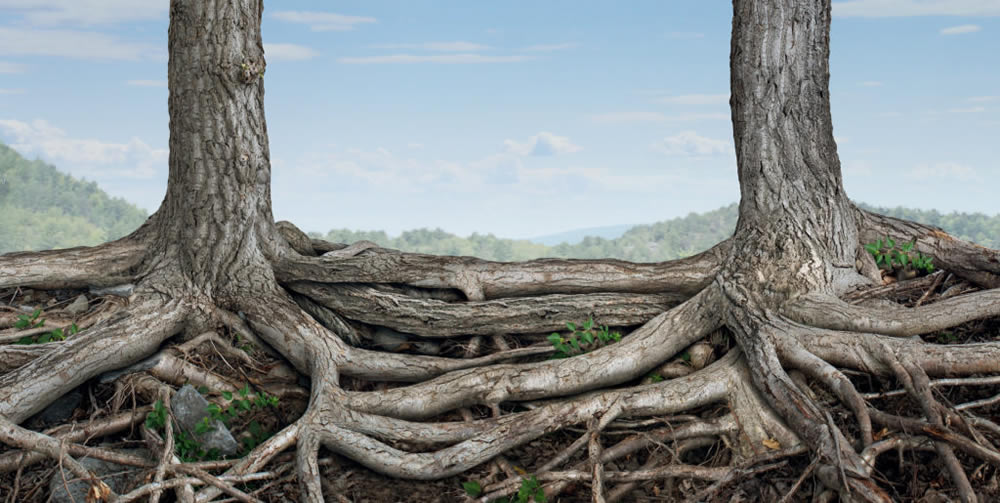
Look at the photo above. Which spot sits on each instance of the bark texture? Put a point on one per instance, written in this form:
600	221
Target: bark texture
212	257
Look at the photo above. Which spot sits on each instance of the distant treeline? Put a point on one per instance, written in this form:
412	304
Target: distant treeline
666	240
41	208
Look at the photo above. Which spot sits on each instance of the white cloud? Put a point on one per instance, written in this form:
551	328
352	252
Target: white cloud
288	52
960	29
899	8
542	144
633	117
969	110
983	99
549	47
322	21
947	170
696	99
689	143
464	58
86	12
436	46
71	44
90	157
8	67
870	83
147	83
11	91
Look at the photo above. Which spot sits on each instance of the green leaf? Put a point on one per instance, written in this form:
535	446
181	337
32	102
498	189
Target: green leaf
571	327
555	339
890	243
878	244
472	488
203	389
45	338
871	249
228	395
903	259
587	337
26	340
245	391
588	324
907	246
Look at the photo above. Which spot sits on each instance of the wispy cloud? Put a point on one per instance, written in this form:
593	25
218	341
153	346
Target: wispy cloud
147	83
696	99
8	67
322	21
85	12
960	29
690	143
633	117
457	59
86	45
542	144
549	47
968	110
436	46
949	170
901	8
983	99
134	159
288	52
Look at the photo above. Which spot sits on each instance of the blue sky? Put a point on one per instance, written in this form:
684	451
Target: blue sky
519	118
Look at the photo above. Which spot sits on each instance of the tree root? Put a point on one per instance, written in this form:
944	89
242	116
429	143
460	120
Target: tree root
411	431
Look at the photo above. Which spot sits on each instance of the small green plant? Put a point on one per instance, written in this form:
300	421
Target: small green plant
30	322
654	377
157	418
530	490
24	321
581	339
472	488
889	257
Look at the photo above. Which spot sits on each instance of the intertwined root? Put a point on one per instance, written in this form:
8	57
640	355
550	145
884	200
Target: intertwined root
413	432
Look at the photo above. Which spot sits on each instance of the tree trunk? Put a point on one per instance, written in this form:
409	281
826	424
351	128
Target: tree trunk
211	258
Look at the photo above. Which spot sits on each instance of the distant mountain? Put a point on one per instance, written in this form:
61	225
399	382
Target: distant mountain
575	236
41	208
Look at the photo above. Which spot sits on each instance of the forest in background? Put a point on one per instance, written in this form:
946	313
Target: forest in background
42	208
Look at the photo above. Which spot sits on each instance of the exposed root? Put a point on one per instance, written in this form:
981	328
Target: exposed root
829	312
105	265
435	318
481	280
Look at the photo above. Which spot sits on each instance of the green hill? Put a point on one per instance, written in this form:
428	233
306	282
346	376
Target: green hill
669	239
41	208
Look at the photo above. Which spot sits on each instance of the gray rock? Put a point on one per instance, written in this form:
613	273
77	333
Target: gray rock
61	409
189	408
79	306
120	478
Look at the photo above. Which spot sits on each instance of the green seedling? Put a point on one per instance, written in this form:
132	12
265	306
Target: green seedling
472	488
581	339
888	256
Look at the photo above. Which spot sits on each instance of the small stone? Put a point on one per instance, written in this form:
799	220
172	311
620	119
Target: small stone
189	409
61	409
390	340
79	306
